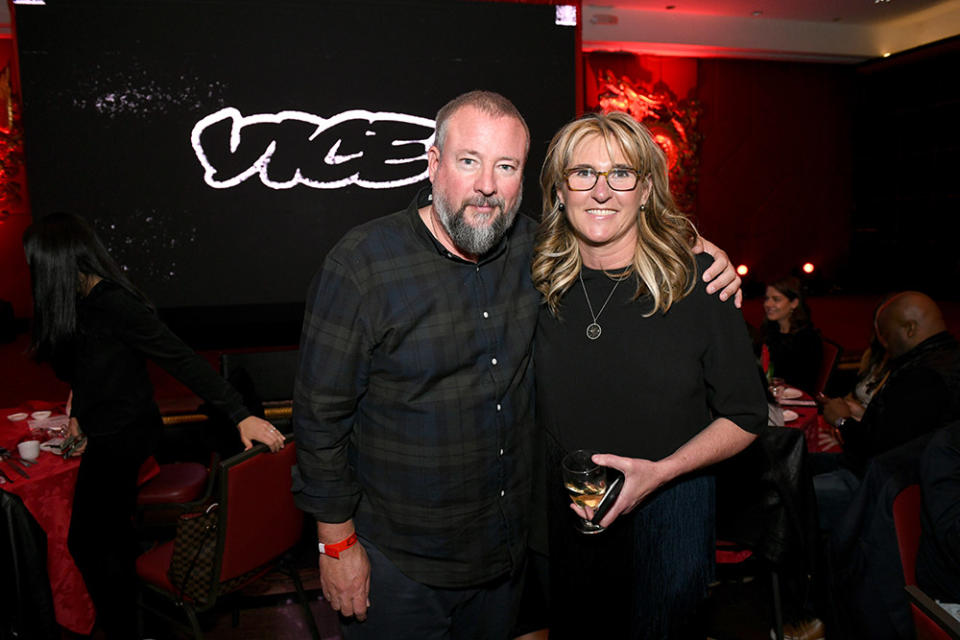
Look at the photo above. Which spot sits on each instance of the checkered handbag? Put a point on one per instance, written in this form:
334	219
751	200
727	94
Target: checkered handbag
191	567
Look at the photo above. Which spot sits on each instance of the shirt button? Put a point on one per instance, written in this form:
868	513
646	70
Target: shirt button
501	451
486	315
502	493
493	361
498	407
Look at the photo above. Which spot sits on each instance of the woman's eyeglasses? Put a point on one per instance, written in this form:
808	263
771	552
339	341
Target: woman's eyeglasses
618	179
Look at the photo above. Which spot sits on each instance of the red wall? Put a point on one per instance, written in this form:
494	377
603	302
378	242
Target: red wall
775	153
776	164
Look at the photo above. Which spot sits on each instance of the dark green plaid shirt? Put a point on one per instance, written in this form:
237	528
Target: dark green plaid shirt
413	406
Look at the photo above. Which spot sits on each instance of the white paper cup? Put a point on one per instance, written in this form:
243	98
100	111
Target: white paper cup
29	450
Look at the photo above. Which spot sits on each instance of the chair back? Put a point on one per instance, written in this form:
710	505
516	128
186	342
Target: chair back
906	520
258	519
765	500
831	356
930	621
26	600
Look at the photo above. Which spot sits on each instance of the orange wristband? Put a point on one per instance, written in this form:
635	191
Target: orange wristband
334	550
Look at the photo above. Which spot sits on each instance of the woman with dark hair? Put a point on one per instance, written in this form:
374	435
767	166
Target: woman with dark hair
636	361
872	374
97	330
796	349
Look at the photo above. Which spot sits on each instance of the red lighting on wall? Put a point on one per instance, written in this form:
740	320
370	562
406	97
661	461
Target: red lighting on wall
11	149
808	267
743	270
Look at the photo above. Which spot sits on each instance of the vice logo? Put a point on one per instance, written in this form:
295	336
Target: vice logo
373	150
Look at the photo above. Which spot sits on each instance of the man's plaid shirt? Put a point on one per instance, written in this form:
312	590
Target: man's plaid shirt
413	406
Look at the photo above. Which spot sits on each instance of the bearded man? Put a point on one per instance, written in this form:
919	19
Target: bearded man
413	407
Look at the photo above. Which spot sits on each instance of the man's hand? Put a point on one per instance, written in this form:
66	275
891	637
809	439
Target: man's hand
856	409
721	275
345	580
834	409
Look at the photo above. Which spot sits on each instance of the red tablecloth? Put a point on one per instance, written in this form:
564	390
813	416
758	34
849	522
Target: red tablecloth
812	424
48	495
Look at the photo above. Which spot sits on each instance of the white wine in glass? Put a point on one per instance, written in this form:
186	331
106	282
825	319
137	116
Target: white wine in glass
586	482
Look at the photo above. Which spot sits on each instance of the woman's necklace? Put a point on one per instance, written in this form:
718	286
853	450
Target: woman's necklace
593	329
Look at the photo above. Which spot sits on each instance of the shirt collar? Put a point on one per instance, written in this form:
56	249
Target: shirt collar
933	343
423	198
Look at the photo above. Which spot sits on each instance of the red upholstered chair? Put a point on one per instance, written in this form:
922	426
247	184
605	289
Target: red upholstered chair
929	618
831	356
257	523
172	490
176	482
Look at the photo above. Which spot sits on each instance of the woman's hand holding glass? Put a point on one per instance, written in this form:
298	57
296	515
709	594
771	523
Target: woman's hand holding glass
641	478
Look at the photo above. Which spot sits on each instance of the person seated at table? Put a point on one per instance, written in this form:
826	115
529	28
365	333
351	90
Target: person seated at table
796	349
871	375
97	330
922	393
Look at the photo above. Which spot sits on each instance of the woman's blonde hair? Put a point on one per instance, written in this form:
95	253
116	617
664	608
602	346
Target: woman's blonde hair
663	259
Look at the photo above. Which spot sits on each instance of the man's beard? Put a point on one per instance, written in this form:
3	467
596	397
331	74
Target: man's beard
474	240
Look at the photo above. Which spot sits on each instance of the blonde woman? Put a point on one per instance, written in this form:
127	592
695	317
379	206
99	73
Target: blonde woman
636	361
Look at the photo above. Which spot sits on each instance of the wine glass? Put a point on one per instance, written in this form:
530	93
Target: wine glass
586	481
777	386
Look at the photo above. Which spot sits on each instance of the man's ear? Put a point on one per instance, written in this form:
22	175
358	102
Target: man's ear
433	161
910	328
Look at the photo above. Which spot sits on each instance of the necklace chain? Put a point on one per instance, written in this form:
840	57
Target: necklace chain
594	329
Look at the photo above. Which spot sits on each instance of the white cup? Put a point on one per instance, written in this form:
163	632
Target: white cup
29	450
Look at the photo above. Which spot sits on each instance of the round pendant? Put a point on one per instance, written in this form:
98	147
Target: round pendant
593	331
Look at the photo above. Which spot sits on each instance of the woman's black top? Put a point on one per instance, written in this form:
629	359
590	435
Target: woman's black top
106	364
649	384
796	356
642	389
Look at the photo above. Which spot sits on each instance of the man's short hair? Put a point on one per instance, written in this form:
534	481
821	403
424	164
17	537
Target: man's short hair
488	102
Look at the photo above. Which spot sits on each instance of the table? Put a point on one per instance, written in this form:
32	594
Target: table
48	495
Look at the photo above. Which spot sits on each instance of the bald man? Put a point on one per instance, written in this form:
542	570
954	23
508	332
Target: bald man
921	394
